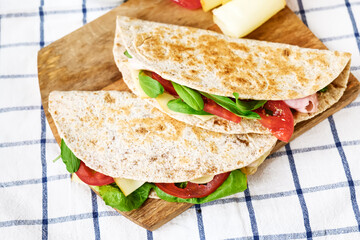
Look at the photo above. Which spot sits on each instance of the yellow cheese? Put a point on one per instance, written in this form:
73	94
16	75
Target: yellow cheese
205	117
251	168
238	18
203	179
225	1
163	100
209	4
75	178
128	186
136	81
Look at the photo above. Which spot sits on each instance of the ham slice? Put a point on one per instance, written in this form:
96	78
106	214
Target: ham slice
307	104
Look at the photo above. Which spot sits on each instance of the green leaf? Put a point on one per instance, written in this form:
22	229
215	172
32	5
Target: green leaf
249	115
151	87
269	112
181	185
126	53
248	105
236	182
225	102
190	96
57	158
177	105
113	196
324	89
230	105
71	161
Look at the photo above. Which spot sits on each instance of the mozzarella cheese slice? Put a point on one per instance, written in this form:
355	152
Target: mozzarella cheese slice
128	186
238	18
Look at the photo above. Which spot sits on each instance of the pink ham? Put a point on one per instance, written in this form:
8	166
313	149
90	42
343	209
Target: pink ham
307	104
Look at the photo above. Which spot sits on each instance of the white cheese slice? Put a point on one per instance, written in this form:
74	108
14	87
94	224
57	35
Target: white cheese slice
238	18
128	186
163	100
203	179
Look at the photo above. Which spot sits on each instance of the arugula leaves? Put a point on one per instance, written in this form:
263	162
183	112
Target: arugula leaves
113	196
126	53
177	105
248	105
71	161
151	87
191	97
230	105
236	182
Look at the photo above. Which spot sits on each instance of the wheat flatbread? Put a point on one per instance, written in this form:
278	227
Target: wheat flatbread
120	135
214	63
128	29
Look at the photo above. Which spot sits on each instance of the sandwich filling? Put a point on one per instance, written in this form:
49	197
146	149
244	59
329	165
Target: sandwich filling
273	115
124	148
126	194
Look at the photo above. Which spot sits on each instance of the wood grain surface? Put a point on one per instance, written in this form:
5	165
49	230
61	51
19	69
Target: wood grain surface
83	60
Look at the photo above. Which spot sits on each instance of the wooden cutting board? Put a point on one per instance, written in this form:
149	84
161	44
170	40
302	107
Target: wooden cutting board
83	60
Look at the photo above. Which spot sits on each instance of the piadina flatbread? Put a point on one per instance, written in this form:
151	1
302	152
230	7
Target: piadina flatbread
214	63
120	135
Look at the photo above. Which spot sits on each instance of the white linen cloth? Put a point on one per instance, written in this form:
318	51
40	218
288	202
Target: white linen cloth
308	189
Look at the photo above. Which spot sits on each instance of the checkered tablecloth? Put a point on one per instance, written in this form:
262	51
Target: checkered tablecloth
308	189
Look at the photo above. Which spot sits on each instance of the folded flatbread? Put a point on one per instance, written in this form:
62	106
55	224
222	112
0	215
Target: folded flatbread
120	135
214	63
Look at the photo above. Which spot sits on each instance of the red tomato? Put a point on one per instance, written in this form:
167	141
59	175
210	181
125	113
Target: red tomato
194	190
212	107
281	124
165	83
189	4
91	177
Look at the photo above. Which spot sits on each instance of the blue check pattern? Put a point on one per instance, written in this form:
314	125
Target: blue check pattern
309	189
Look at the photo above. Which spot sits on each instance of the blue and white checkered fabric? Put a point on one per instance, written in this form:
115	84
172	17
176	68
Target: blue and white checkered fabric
309	189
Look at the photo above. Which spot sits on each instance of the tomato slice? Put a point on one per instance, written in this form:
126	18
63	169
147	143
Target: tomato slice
281	123
91	177
212	107
189	4
194	190
165	83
